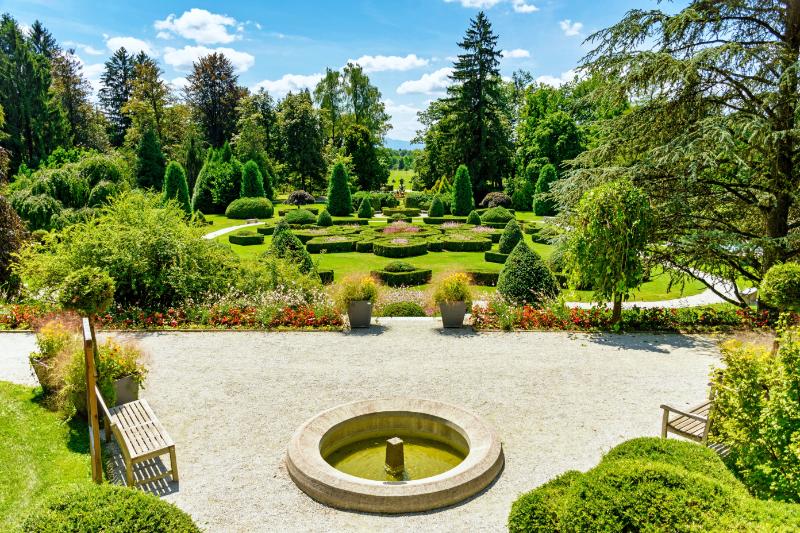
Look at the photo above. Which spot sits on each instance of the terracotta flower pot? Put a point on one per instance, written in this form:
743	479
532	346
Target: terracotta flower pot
453	314
126	390
360	314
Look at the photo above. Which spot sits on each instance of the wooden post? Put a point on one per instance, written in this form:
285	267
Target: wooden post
89	347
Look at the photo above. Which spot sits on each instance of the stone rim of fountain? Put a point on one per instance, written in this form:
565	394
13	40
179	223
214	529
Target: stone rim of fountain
314	476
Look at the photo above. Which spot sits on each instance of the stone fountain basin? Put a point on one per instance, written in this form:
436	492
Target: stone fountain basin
343	425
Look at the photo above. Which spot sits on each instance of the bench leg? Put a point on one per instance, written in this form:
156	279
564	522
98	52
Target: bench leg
173	462
107	428
664	424
129	473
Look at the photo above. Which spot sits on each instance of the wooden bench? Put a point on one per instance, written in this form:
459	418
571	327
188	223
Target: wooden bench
140	437
692	424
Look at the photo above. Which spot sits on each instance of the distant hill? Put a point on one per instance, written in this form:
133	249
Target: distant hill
397	144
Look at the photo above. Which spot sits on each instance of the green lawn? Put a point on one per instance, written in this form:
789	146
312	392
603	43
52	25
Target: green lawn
38	452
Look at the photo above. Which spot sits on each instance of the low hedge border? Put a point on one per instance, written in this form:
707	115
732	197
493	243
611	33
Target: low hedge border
407	211
472	245
351	222
484	278
495	257
266	230
403	279
323	244
436	221
326	276
435	245
387	248
495	225
246	238
402	218
532	229
364	247
283	212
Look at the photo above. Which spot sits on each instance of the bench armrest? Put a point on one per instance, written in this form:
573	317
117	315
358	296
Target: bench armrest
684	413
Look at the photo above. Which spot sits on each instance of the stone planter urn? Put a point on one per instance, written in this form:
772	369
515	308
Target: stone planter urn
360	314
453	314
126	390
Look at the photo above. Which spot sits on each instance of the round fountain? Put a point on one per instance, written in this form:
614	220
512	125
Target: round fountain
394	456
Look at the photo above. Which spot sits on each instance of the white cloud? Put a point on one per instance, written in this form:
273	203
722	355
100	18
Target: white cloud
519	6
565	77
432	83
92	72
571	29
384	63
200	26
405	122
517	53
288	83
131	44
181	59
179	83
85	48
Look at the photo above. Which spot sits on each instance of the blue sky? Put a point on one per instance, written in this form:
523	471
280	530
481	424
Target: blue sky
405	45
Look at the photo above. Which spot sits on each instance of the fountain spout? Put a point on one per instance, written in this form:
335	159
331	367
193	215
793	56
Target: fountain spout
395	461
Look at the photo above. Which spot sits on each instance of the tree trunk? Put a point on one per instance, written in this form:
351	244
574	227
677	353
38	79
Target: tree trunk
616	314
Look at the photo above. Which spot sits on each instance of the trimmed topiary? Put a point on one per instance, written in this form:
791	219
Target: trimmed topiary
245	208
525	279
522	199
497	215
365	209
496	199
107	507
150	163
339	202
300	217
397	247
464	242
403	309
300	197
246	238
331	244
543	205
780	288
437	208
324	219
483	278
406	211
252	181
286	245
463	201
325	276
474	218
512	234
404	279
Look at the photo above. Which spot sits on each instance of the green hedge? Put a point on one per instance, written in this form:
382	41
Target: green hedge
324	244
312	210
246	238
266	230
403	279
406	211
650	484
364	246
495	257
404	309
399	218
351	222
435	221
386	248
452	243
326	276
107	508
435	245
484	278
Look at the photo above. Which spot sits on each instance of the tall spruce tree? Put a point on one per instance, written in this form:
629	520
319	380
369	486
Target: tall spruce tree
115	91
150	161
42	41
72	90
213	91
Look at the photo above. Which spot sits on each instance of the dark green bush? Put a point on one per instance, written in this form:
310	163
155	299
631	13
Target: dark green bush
374	199
397	217
512	234
403	309
245	208
496	215
400	247
331	244
246	238
37	209
340	204
463	201
89	291
525	279
496	199
403	278
325	276
324	219
252	181
437	208
300	217
364	246
218	184
107	508
351	222
299	197
495	257
484	278
474	218
266	230
365	210
150	162
780	288
69	187
522	199
102	167
461	242
313	210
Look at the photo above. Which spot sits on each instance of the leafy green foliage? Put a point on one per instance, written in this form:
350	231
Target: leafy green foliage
780	287
437	208
522	197
150	162
108	508
102	193
300	217
512	235
302	141
339	201
219	182
89	291
525	279
245	208
324	219
463	200
543	204
175	186
474	218
365	209
252	181
757	416
496	199
360	146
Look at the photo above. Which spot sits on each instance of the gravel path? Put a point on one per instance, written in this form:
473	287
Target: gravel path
224	231
232	400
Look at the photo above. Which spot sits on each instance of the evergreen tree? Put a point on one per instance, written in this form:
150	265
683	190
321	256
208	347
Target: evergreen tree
512	235
365	209
324	219
525	279
150	161
72	91
116	84
269	190
175	186
252	181
286	245
301	133
474	218
193	157
340	204
214	92
42	41
463	198
359	146
543	204
437	208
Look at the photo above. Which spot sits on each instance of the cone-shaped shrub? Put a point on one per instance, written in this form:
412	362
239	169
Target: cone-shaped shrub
474	218
324	220
544	206
175	186
437	208
340	204
252	181
463	202
525	279
269	190
225	154
512	235
286	245
365	209
150	162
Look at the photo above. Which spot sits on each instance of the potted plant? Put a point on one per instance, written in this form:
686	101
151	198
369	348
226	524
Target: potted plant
356	297
120	364
53	339
453	296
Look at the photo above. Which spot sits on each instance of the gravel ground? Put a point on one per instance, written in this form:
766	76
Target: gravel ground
231	401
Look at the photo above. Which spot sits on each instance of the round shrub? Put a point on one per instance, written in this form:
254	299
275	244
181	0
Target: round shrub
246	238
474	218
437	208
399	217
69	187
495	199
397	247
252	181
365	209
300	217
340	203
399	266
37	209
403	309
245	208
324	220
512	235
525	279
780	287
408	277
496	215
102	193
108	508
300	197
89	291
